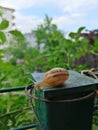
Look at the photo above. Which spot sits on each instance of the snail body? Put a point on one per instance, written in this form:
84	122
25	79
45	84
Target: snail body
53	78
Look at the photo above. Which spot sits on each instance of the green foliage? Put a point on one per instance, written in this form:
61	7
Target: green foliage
48	34
14	111
0	14
14	108
94	48
2	37
57	49
4	24
53	50
17	34
95	127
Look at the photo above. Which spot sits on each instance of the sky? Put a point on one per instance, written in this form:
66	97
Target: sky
68	15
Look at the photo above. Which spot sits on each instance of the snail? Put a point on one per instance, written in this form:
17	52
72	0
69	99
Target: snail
53	78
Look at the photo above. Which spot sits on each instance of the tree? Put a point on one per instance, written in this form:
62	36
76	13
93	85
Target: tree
48	34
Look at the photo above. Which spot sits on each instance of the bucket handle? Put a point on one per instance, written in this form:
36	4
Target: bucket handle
30	88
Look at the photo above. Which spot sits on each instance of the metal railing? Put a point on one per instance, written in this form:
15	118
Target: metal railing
25	127
14	89
22	88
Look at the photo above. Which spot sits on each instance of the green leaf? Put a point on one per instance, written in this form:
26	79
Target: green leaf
0	14
72	34
2	37
17	34
4	24
80	30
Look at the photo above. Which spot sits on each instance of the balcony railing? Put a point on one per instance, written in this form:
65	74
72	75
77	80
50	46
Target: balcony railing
22	88
14	89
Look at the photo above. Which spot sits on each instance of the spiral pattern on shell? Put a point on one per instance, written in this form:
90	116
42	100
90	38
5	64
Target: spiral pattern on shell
56	77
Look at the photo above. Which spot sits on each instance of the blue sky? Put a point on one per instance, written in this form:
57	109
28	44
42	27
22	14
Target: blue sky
69	15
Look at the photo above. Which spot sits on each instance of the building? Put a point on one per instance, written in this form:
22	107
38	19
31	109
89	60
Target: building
31	38
7	13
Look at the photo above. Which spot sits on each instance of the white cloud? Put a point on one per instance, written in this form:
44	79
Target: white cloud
66	5
21	4
74	12
18	4
78	5
68	23
62	21
27	23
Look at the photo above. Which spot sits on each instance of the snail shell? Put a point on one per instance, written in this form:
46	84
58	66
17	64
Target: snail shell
53	78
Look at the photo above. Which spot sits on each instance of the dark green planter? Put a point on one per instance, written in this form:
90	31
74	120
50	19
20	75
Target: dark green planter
70	114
